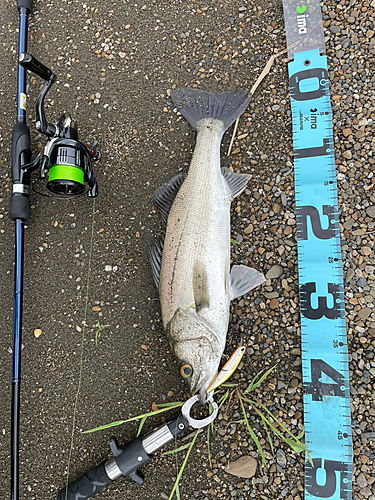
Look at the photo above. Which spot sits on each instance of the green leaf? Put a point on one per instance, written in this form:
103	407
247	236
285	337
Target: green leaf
236	422
300	436
138	417
256	383
169	405
253	403
141	424
183	447
99	329
296	447
310	459
183	467
269	437
222	400
235	242
208	446
252	433
293	443
106	426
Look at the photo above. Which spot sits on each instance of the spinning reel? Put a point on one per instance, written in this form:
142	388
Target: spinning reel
65	162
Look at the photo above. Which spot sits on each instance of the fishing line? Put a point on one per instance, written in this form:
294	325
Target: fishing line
81	354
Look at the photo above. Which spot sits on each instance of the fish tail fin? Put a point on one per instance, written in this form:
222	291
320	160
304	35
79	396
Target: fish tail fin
196	105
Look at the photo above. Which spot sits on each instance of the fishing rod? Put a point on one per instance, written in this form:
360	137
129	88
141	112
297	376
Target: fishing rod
66	165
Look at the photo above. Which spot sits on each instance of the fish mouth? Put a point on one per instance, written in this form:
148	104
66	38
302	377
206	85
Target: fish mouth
201	386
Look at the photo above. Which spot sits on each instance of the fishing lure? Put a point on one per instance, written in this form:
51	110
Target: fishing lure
228	369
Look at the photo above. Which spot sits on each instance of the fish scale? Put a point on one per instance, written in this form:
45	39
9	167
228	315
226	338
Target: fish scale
200	215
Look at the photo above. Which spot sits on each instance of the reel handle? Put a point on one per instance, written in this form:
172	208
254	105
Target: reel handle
29	62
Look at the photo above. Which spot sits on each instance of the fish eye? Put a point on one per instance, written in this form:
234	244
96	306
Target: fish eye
186	370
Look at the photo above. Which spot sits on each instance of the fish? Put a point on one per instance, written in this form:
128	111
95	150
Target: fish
191	263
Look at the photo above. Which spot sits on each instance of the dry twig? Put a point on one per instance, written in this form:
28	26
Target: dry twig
259	80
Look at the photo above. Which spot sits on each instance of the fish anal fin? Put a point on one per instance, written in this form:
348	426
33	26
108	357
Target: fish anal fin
155	251
236	182
200	286
165	195
243	279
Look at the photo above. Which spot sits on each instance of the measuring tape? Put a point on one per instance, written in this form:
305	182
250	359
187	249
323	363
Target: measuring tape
325	366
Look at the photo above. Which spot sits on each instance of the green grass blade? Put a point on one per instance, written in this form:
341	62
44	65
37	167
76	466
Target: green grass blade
169	405
208	446
222	400
106	426
183	447
183	466
256	383
300	436
265	419
252	433
256	441
138	417
141	423
269	437
277	421
310	459
236	422
295	447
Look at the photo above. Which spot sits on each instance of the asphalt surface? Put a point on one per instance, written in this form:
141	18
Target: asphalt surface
115	62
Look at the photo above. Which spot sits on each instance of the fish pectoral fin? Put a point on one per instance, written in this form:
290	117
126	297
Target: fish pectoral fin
236	182
243	279
165	195
155	251
200	286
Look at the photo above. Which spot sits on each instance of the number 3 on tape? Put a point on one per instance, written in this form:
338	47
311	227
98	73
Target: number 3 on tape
323	329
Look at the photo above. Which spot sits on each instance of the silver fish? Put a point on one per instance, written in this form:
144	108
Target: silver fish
191	265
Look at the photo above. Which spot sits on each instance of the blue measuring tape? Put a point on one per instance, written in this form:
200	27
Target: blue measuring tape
325	367
324	341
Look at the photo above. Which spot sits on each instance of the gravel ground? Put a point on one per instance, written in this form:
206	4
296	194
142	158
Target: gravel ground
116	62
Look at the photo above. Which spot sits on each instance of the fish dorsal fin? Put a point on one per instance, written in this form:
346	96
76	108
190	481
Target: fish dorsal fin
243	279
165	195
200	286
236	182
155	251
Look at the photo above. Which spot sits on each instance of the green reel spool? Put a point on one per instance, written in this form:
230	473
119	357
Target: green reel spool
65	180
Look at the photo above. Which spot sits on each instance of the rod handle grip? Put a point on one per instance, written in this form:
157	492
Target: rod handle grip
26	4
87	485
29	62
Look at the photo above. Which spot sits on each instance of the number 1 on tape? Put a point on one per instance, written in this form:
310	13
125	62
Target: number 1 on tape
323	329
